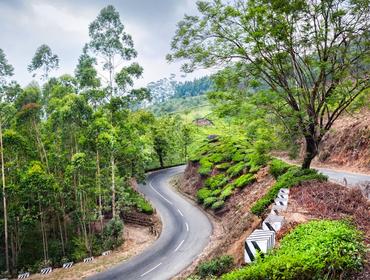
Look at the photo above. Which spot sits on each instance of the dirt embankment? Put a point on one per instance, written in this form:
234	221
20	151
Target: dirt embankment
347	144
234	222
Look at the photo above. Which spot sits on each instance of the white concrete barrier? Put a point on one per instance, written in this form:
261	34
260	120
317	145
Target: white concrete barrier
273	222
106	253
278	209
281	201
23	275
284	190
89	259
67	265
259	242
46	270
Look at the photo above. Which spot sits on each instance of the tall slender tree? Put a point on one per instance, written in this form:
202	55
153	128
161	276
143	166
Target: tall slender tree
6	70
44	60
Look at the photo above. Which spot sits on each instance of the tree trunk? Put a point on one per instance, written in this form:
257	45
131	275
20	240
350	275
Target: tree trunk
4	200
98	185
161	160
113	187
311	151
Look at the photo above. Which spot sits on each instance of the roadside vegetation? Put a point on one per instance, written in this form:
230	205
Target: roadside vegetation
314	250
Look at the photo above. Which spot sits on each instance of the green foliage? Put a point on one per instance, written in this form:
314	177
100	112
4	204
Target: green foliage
209	201
44	59
215	267
291	178
244	180
216	192
113	234
205	166
227	192
203	193
236	169
278	167
223	166
218	205
217	181
315	250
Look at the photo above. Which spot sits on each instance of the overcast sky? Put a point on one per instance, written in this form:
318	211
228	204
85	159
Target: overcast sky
63	25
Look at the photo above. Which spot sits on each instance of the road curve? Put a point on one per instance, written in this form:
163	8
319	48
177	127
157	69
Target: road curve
344	177
185	233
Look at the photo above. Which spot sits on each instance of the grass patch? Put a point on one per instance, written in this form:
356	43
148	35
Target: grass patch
315	250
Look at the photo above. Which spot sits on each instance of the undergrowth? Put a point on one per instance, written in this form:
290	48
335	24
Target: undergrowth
316	250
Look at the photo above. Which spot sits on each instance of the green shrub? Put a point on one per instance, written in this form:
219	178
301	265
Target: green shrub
218	204
244	180
203	193
112	234
236	169
215	267
144	206
216	192
223	166
315	250
228	191
216	158
293	177
209	201
238	156
205	166
278	167
217	181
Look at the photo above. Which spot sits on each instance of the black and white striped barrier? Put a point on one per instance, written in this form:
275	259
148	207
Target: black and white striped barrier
106	253
284	190
281	202
87	260
46	270
283	196
273	222
23	275
67	265
277	209
259	242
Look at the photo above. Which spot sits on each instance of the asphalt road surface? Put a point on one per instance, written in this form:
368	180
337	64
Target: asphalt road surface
185	233
346	178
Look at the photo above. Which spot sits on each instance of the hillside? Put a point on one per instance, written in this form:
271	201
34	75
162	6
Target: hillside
216	177
347	145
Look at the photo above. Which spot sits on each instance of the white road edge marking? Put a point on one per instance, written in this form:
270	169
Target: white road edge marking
150	184
187	226
180	212
150	270
178	247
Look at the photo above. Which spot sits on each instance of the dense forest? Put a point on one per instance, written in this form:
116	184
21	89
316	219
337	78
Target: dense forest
69	147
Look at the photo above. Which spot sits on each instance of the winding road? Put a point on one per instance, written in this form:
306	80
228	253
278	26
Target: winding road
185	233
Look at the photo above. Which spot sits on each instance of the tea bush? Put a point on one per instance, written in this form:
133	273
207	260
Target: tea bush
315	250
278	167
293	177
244	180
209	201
216	182
215	267
218	204
202	194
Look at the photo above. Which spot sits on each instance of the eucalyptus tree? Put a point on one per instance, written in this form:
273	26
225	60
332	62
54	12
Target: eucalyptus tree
112	46
44	60
313	55
6	71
